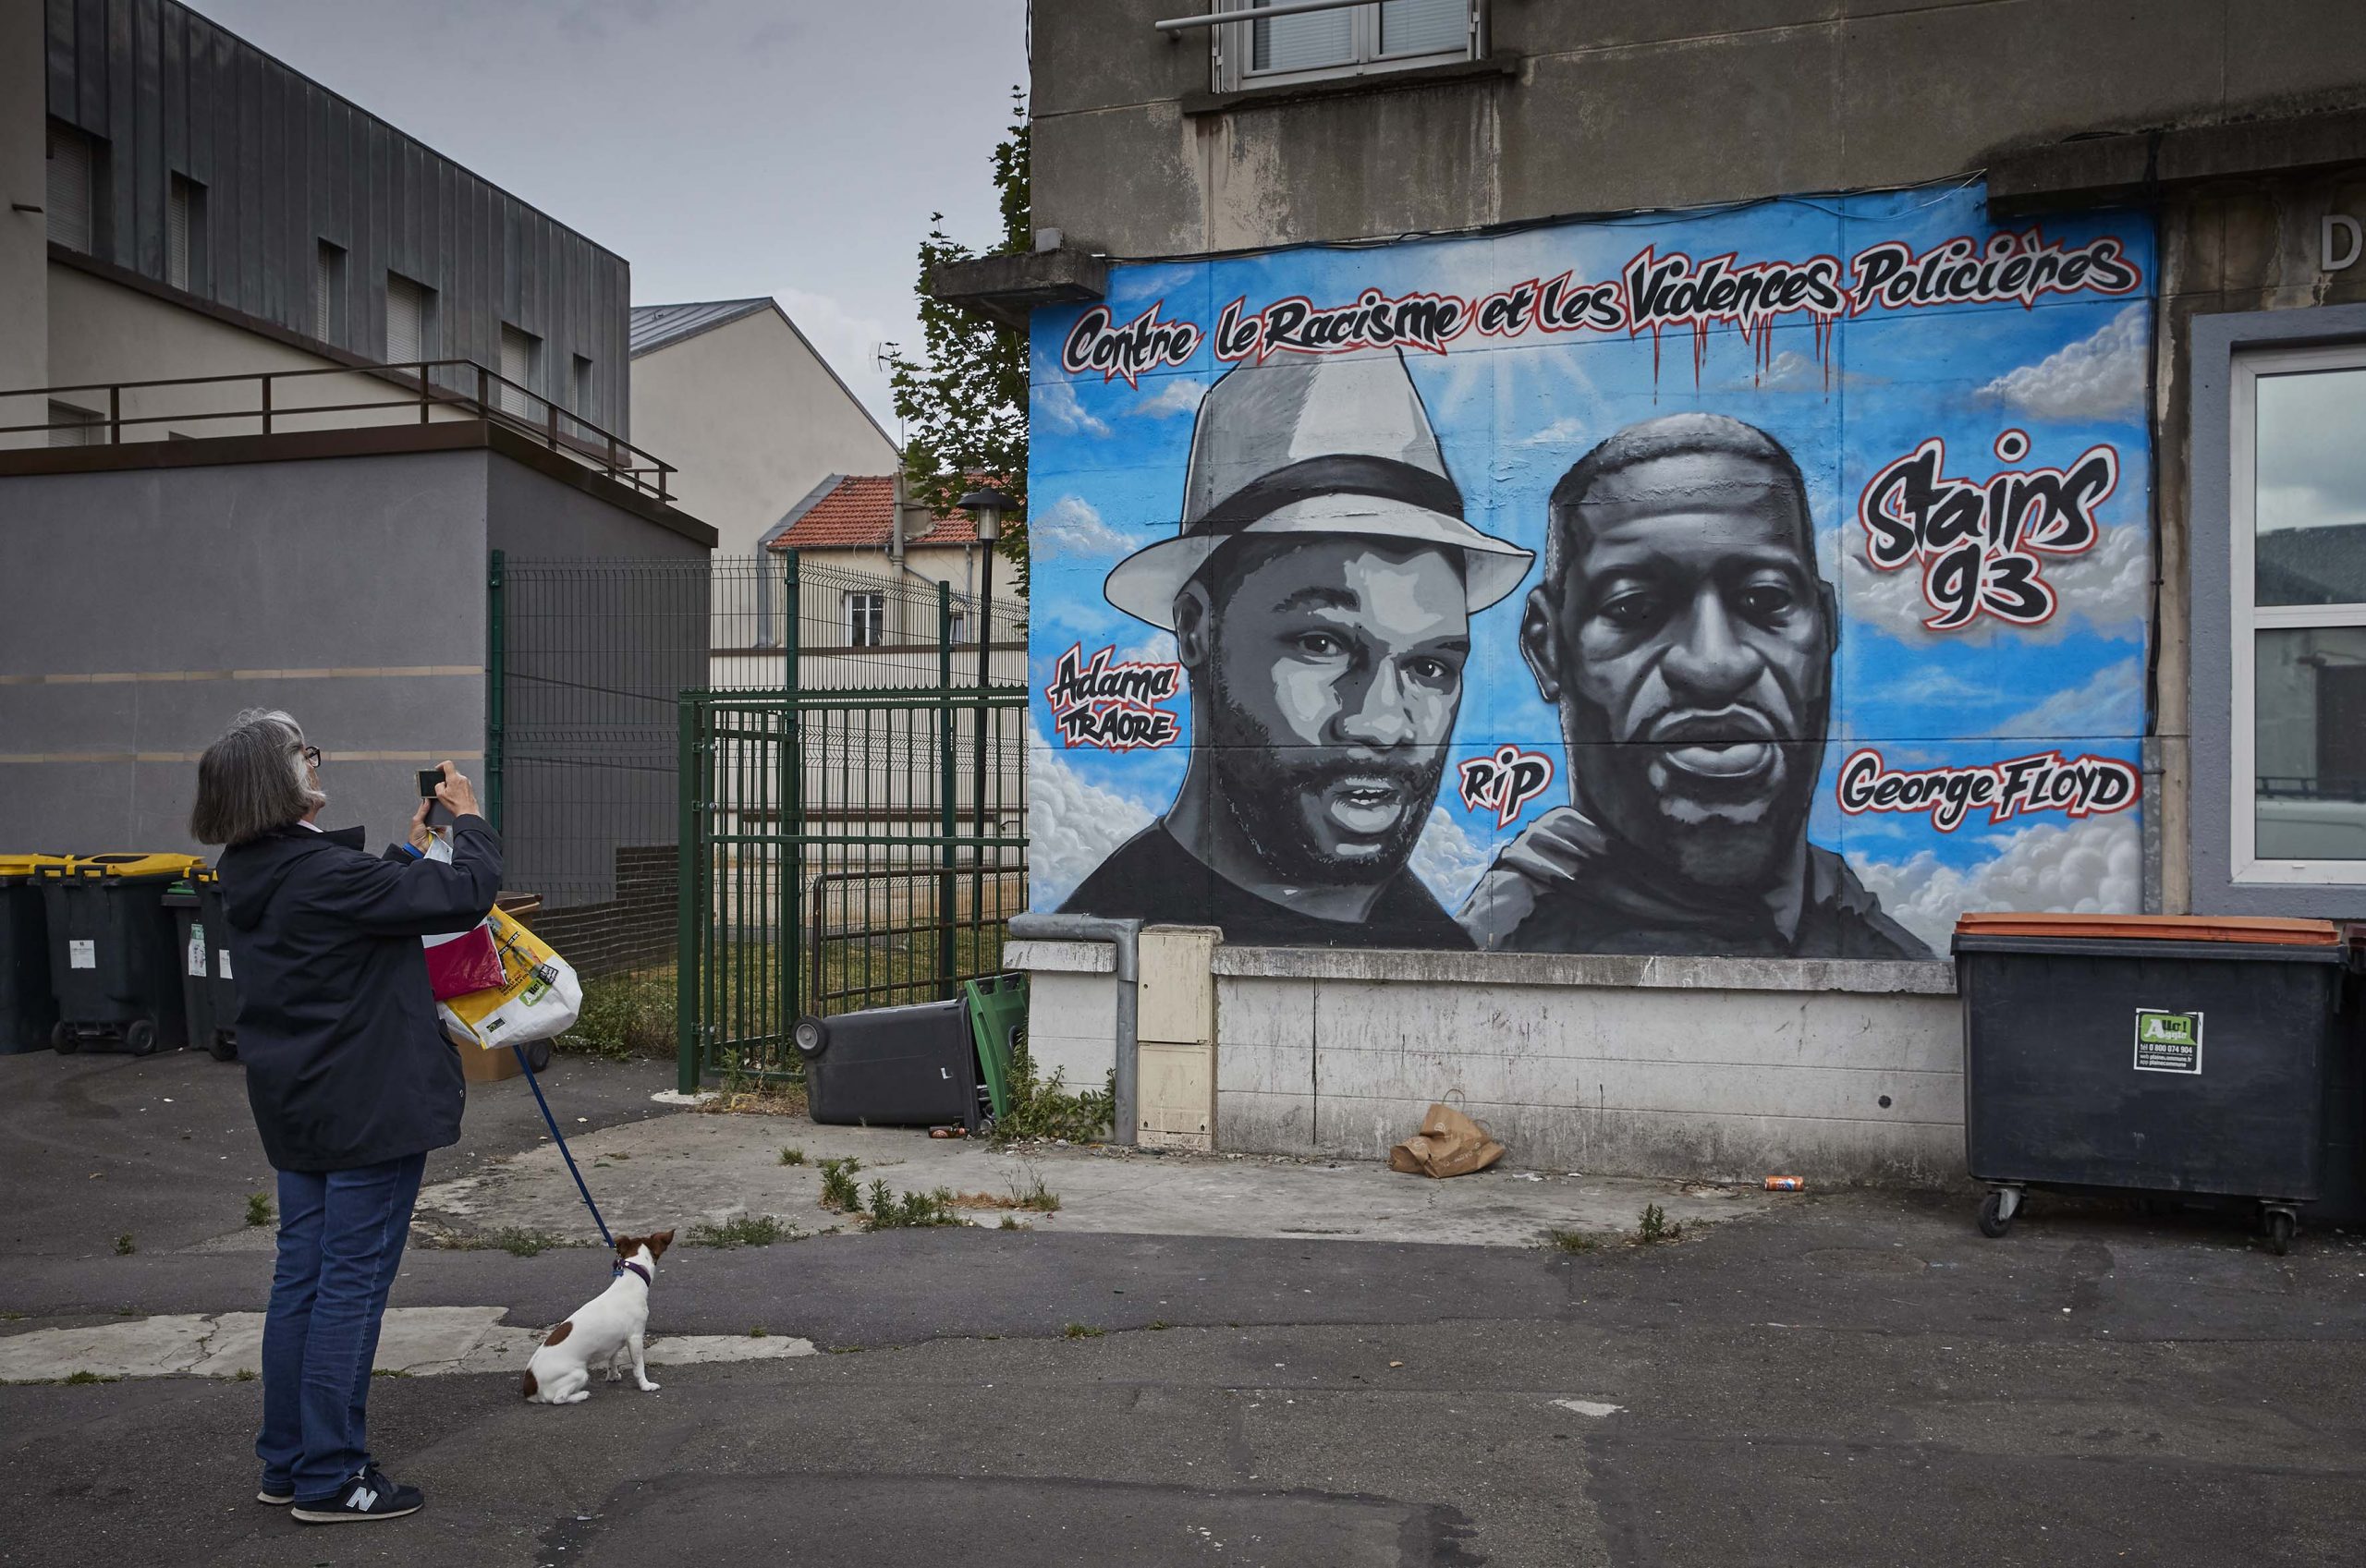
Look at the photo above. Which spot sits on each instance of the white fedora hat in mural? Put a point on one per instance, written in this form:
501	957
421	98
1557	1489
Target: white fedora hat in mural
1314	445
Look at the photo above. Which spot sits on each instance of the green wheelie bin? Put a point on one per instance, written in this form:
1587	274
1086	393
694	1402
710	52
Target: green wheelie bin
208	990
112	958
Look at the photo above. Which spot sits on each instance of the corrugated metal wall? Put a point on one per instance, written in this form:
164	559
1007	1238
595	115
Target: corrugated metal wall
287	163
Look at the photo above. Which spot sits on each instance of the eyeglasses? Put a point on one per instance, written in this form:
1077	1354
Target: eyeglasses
311	755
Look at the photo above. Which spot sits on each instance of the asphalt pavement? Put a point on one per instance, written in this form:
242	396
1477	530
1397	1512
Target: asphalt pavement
1854	1377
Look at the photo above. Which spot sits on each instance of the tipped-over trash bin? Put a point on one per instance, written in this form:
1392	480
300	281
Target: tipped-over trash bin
893	1067
2172	1056
112	958
28	1005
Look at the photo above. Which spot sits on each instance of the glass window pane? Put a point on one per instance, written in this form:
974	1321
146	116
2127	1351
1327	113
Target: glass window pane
1304	43
2311	497
2311	756
1424	27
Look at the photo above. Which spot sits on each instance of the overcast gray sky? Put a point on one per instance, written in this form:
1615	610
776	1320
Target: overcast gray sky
725	148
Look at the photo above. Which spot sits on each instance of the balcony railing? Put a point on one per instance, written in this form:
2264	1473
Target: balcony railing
423	390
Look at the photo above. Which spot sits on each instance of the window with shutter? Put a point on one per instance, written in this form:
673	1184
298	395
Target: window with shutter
69	188
519	350
328	292
70	426
177	232
406	319
583	388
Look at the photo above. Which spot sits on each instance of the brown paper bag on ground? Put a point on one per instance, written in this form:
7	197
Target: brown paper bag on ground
1450	1144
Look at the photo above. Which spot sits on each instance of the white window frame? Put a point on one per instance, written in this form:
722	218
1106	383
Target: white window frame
1233	48
870	605
2246	619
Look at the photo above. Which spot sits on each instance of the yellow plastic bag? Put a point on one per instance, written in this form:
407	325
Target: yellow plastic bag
538	998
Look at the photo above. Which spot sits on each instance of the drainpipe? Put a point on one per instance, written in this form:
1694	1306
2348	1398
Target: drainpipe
1124	935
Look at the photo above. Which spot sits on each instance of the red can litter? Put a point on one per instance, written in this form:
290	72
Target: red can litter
1787	1183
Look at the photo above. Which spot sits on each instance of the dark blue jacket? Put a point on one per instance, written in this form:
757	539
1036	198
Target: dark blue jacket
345	1064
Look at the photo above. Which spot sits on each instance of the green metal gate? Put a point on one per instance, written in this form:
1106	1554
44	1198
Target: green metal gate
847	844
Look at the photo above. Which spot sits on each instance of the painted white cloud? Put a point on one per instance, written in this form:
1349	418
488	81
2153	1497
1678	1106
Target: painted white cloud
2105	591
2089	867
1175	395
1448	858
1071	526
1156	648
1056	408
1072	824
2100	377
2110	702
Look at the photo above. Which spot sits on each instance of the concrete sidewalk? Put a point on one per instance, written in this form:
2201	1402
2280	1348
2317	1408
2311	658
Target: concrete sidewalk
685	1169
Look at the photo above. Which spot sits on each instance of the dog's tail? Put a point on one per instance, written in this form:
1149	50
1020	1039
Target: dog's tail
531	1389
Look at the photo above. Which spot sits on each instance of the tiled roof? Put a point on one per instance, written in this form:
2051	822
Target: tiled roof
858	513
654	326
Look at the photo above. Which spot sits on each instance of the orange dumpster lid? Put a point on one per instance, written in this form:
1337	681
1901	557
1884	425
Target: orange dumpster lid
2260	929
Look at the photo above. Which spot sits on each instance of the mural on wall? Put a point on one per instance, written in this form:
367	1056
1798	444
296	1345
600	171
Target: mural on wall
1769	582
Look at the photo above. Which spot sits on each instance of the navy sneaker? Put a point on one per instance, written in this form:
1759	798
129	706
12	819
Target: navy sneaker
368	1496
279	1494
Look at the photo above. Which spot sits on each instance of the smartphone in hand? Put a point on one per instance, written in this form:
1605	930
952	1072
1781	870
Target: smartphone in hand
438	814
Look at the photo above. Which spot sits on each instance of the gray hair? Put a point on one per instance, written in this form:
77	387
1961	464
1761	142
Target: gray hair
253	780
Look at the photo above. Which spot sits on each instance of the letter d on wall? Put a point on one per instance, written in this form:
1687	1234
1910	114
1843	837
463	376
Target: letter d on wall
2342	234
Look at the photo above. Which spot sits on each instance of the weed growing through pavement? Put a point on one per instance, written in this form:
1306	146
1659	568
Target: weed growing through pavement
243	1374
123	1247
759	1332
258	1209
1048	1109
1572	1241
1653	1226
913	1210
86	1375
1013	1222
1082	1332
791	1156
740	1230
1160	1323
524	1242
838	1190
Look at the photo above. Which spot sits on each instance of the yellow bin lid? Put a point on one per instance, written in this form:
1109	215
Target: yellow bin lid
134	864
30	865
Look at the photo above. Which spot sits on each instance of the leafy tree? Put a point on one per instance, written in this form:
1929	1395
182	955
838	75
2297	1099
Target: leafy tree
964	400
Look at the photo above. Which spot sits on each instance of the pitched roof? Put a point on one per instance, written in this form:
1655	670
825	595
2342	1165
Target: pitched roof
654	326
857	513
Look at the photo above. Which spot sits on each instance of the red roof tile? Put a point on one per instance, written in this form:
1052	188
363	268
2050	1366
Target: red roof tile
858	514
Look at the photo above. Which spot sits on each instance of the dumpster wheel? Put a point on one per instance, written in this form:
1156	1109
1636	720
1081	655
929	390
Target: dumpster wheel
64	1039
140	1037
1998	1209
2281	1222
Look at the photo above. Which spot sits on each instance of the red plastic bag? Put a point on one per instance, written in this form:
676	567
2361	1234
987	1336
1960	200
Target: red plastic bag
466	963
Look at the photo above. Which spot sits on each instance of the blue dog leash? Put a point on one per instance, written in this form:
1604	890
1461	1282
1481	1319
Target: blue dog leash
565	1153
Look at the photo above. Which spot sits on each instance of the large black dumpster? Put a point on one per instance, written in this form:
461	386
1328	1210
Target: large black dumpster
112	958
893	1067
201	939
28	1006
2149	1054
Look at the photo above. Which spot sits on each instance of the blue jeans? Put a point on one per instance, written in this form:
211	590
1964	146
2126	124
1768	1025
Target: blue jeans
341	1236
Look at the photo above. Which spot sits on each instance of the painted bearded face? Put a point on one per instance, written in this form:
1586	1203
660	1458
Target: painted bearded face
1690	656
1332	678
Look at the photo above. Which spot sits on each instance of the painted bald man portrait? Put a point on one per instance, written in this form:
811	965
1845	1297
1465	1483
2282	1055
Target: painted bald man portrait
1686	640
1320	589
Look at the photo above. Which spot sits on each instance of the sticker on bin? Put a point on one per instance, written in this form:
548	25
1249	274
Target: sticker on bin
225	955
2169	1043
197	950
83	954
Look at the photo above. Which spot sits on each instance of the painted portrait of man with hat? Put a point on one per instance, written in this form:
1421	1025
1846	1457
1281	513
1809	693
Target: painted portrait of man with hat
1320	588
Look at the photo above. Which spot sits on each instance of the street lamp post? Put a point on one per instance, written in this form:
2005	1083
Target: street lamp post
985	505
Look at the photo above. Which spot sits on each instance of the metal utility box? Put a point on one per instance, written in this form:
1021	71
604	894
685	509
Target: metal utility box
2149	1054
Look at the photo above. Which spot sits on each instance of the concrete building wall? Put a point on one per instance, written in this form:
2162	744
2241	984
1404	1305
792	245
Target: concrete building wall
1633	104
753	419
172	597
24	239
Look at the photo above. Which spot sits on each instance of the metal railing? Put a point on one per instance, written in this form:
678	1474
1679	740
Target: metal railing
461	387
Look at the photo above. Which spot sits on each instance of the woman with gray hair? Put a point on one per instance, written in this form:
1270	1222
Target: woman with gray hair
351	1079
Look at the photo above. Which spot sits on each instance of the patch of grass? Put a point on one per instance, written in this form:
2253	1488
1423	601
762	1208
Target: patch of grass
759	1332
258	1209
1013	1222
1041	1108
1653	1226
86	1375
1572	1241
389	1372
243	1374
912	1211
742	1230
12	1316
747	1095
1081	1331
838	1191
1160	1323
523	1243
791	1156
122	1245
624	1016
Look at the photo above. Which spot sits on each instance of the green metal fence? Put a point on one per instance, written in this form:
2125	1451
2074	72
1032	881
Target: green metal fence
854	836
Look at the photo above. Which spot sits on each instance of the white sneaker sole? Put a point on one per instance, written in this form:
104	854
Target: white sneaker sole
349	1516
276	1499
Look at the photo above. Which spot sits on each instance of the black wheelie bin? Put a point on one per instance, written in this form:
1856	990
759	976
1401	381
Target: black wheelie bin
201	939
112	958
28	1006
2180	1056
894	1068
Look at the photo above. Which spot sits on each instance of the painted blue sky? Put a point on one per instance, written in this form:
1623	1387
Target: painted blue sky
1511	415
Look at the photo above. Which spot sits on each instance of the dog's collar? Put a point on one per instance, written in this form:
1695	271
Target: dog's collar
622	1268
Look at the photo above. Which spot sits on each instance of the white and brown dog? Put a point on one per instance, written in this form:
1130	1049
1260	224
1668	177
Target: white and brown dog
603	1328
